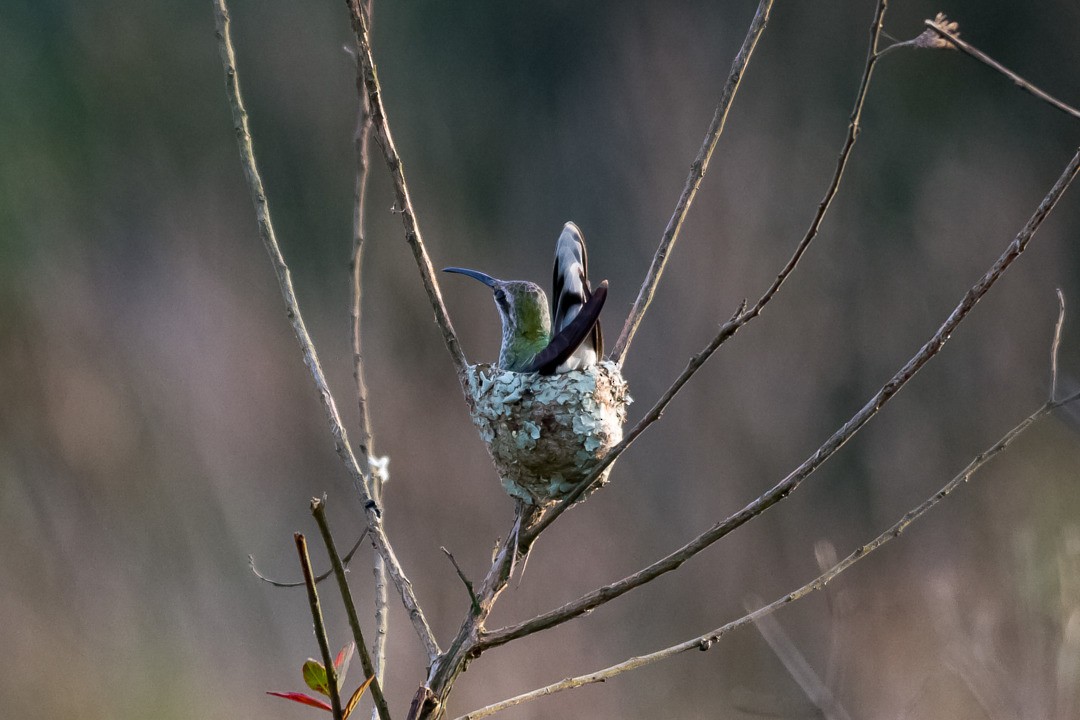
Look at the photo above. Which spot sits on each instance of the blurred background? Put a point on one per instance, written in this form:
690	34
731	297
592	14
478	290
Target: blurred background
157	424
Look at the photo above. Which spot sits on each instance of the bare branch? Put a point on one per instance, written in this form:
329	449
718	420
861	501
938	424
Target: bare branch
320	627
318	578
1056	345
474	601
311	358
706	641
743	316
362	142
982	57
368	83
318	509
382	617
693	181
788	485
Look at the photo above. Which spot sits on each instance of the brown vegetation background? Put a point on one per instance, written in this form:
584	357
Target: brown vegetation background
157	424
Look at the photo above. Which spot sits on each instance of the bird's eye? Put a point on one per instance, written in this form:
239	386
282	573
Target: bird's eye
500	296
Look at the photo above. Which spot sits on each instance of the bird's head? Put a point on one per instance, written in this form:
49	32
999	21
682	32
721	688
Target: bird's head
526	320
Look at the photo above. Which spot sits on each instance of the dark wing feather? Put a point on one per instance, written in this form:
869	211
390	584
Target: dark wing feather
567	340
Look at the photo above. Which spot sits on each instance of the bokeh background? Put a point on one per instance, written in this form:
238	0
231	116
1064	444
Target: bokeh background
157	424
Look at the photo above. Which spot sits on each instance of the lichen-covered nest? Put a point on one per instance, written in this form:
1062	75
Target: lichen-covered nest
545	433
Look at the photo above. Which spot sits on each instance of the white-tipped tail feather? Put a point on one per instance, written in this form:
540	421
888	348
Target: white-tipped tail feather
570	283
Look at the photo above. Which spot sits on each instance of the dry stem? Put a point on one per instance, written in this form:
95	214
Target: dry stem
982	57
362	142
318	578
311	358
318	509
320	627
693	181
368	83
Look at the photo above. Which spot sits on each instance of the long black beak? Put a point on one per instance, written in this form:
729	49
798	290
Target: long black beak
474	274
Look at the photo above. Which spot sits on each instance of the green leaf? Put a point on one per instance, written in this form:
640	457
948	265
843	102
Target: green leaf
315	677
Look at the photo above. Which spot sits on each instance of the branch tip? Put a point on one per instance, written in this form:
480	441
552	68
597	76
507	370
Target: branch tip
1055	345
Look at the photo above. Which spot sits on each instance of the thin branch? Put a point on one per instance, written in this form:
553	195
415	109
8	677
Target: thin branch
382	617
743	316
982	57
368	83
382	601
318	509
311	358
320	628
706	641
362	142
693	181
318	578
1056	345
788	485
464	580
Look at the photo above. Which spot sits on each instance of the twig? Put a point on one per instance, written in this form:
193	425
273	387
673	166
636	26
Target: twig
797	666
320	628
464	580
982	57
742	316
1056	344
362	142
368	83
318	578
382	601
382	617
706	641
693	181
318	509
311	358
788	485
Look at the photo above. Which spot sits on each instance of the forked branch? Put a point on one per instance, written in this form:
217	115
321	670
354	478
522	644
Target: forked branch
788	485
707	640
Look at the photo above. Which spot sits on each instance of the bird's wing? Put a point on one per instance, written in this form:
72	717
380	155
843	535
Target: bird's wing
567	340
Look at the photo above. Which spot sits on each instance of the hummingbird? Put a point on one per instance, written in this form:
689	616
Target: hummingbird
531	342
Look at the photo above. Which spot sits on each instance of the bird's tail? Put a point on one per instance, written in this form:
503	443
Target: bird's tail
570	283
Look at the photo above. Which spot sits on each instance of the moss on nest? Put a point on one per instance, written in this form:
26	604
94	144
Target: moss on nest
545	433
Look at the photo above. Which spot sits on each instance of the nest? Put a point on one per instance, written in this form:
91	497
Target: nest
546	433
